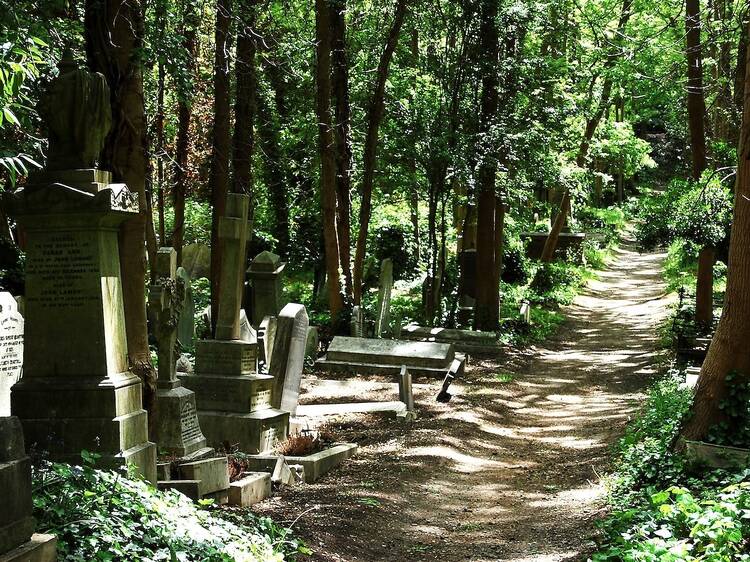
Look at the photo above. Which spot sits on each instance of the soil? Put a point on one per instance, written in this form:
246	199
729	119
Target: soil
511	468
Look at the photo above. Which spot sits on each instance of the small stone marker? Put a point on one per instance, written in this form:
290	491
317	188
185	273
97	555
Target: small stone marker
266	336
383	317
16	521
11	349
267	296
405	393
186	326
525	312
357	323
288	359
455	370
177	429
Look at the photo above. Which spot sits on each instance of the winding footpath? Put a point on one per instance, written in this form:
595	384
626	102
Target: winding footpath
509	469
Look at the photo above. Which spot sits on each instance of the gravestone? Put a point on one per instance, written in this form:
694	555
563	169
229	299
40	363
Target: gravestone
196	259
247	333
288	359
312	343
233	399
11	349
177	429
18	543
357	323
77	391
186	324
383	319
267	295
266	336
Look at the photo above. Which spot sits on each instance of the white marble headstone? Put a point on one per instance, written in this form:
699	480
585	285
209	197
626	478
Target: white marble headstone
11	348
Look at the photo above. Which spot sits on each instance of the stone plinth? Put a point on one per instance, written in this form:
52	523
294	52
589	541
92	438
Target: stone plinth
17	539
267	296
77	391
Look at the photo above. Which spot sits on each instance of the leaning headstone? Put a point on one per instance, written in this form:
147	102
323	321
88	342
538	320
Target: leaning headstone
383	317
11	349
247	333
18	543
233	399
186	325
196	259
77	391
266	336
177	429
288	359
267	296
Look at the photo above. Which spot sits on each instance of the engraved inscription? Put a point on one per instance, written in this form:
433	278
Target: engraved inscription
59	264
261	399
189	422
218	360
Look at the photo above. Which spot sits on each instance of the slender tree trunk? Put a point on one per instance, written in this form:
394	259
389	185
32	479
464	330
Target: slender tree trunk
696	108
487	310
159	126
729	351
221	147
414	185
114	39
184	114
374	118
245	105
343	139
327	158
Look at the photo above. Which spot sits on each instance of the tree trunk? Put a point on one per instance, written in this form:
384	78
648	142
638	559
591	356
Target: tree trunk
114	37
696	105
184	114
343	139
550	245
219	178
704	293
487	310
414	186
327	158
729	351
374	118
245	105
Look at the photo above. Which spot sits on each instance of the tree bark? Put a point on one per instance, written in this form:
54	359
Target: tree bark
487	309
696	105
245	105
343	140
114	39
374	118
221	146
190	22
729	351
327	158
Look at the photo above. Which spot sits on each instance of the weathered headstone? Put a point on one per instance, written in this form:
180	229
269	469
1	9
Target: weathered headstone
266	335
247	333
234	401
312	343
77	391
17	541
357	323
288	358
196	259
383	317
11	349
177	428
186	325
267	296
405	392
525	312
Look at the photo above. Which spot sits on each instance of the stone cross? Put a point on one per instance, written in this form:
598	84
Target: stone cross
383	320
165	300
233	237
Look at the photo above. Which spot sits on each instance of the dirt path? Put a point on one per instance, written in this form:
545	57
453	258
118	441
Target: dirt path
507	470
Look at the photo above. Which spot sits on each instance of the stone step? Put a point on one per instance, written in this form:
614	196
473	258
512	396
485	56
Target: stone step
213	474
252	488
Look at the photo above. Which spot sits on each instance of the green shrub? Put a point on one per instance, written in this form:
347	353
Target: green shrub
104	515
556	283
516	266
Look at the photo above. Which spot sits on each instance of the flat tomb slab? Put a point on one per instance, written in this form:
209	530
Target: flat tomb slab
390	352
469	341
315	465
349	368
314	410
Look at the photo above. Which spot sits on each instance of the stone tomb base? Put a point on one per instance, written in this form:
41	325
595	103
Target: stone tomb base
40	548
93	413
253	433
386	357
178	429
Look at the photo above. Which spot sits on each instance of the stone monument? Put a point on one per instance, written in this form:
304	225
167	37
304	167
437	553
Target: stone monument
267	295
234	401
177	429
18	543
77	391
186	324
383	317
11	348
288	357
